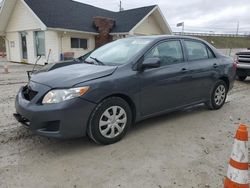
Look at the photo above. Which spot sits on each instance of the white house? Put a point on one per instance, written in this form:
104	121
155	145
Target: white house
53	28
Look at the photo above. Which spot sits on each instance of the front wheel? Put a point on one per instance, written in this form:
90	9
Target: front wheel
218	95
110	121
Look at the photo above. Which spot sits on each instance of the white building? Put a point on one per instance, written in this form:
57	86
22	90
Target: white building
51	28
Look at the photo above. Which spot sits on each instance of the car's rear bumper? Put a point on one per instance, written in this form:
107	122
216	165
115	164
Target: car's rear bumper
68	119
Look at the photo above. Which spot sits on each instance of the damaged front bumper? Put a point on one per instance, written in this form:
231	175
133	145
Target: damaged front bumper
68	119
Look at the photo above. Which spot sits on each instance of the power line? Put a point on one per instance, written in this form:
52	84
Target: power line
211	27
231	30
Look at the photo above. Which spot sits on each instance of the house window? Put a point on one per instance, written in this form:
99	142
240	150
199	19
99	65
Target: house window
40	43
79	43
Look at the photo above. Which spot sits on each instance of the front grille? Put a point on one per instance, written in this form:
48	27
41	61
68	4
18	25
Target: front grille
244	58
28	93
22	120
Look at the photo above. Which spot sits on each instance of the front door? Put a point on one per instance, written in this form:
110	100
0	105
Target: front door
164	88
24	45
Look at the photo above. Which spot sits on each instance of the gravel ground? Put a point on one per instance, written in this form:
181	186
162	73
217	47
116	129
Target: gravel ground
189	148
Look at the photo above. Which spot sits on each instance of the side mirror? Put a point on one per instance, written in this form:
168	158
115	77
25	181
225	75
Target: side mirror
151	63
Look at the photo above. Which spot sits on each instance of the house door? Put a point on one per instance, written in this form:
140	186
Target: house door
24	45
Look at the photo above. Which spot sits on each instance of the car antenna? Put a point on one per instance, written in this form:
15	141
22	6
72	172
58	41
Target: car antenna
30	72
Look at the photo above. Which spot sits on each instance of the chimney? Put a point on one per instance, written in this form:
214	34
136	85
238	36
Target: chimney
104	26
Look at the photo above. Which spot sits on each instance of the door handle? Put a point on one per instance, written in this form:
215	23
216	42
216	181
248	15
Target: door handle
215	65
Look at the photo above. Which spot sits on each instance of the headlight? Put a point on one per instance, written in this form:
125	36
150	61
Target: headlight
60	95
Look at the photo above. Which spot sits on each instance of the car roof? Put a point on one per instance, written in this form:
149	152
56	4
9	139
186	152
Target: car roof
159	37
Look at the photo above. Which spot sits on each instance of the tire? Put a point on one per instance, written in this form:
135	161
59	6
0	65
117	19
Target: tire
242	78
218	95
105	128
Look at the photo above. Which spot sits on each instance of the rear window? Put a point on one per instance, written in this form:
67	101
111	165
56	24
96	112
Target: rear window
197	50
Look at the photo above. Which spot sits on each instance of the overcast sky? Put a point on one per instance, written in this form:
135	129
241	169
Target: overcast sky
220	16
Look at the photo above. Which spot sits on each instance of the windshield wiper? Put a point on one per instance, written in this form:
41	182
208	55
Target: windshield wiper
97	60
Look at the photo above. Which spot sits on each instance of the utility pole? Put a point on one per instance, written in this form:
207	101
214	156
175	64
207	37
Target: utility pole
238	26
120	6
183	26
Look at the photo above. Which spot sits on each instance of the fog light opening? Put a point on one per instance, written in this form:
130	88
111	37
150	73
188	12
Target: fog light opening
51	126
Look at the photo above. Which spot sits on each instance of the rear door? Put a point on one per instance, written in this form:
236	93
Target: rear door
203	69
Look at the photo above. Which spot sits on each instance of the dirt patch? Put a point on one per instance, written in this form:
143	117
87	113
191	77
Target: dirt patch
189	148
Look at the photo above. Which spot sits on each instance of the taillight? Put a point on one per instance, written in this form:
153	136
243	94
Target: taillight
234	65
236	59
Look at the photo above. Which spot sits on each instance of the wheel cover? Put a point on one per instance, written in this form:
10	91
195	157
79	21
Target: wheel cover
112	122
220	95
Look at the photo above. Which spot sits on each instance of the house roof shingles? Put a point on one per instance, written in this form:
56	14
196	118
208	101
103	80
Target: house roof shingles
68	14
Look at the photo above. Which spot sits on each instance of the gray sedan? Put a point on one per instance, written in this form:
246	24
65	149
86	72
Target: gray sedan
102	93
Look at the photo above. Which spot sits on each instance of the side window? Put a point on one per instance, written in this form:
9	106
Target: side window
169	53
196	50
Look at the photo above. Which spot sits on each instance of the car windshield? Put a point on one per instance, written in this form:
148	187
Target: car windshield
118	52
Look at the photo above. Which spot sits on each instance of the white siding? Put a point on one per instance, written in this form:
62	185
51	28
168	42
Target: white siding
14	50
57	42
4	13
149	27
22	19
52	43
66	43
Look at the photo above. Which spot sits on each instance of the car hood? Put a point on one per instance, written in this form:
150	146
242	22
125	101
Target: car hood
71	75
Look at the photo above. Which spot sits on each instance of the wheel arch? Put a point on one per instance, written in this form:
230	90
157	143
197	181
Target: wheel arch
128	100
226	80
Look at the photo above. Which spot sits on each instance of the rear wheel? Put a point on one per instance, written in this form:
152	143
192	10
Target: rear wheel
218	95
110	121
242	78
